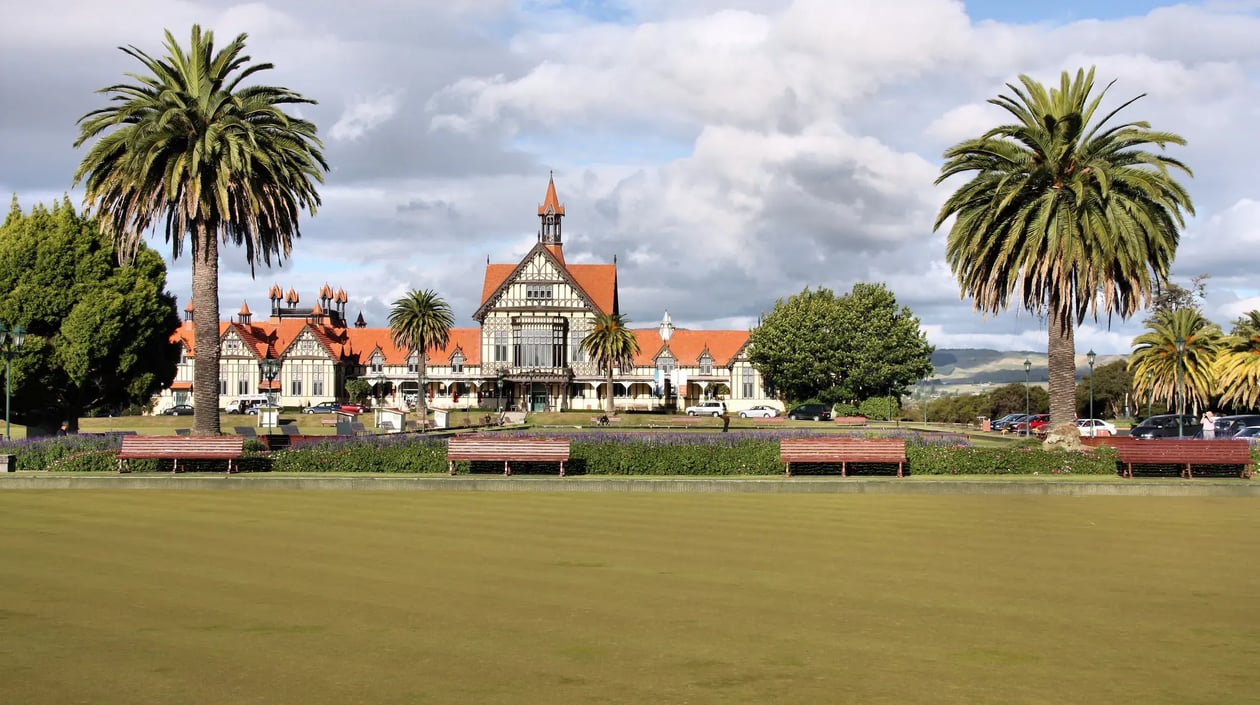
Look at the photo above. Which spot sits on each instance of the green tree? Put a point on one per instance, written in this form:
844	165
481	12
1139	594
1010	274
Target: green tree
1113	391
357	390
190	149
1171	296
611	344
840	349
420	321
1065	215
98	334
1238	368
1185	379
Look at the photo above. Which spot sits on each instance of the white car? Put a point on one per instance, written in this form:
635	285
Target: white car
1095	427
707	408
759	412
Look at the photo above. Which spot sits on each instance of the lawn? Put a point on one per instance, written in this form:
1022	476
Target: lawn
361	597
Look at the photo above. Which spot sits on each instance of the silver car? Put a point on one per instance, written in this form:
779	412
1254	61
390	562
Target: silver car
759	412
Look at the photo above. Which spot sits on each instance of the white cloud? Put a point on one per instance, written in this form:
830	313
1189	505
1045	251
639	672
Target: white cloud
364	115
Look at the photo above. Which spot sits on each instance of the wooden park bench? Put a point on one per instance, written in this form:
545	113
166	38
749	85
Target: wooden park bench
1184	452
843	451
179	448
535	450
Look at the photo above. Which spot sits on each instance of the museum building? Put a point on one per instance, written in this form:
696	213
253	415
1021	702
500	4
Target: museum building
526	353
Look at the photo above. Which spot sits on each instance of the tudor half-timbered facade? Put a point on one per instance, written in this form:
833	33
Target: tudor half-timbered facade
526	353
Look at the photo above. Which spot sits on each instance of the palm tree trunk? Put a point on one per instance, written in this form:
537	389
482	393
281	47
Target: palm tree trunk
205	295
422	395
609	397
1062	370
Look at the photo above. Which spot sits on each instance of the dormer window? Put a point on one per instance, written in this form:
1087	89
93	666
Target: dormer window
706	364
376	365
538	292
413	363
457	363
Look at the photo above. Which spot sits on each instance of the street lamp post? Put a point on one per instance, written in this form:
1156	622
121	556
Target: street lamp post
269	369
1091	355
10	340
1150	391
1181	349
1027	406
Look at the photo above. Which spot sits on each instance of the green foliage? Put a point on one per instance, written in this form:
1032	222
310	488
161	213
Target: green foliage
880	408
1185	379
98	333
1009	399
419	322
845	409
846	348
411	454
1113	385
358	389
1014	460
611	344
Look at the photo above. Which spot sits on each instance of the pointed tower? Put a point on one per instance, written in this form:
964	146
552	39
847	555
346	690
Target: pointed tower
275	294
550	214
359	322
245	314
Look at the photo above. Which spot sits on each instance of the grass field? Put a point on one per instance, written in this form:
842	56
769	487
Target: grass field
360	597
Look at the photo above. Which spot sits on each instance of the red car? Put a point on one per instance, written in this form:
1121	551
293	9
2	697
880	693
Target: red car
353	408
1037	423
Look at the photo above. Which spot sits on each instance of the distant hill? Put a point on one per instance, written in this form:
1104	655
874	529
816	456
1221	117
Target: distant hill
961	370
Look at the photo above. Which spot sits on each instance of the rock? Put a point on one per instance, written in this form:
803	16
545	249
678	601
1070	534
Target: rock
1065	435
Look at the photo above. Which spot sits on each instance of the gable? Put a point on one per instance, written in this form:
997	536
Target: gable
541	282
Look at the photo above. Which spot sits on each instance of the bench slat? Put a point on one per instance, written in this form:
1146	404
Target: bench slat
180	448
1185	452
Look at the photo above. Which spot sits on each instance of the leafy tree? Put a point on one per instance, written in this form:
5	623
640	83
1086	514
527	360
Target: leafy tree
419	321
1171	296
358	389
1067	217
611	344
1009	399
188	148
1238	369
840	349
98	334
1113	391
1185	379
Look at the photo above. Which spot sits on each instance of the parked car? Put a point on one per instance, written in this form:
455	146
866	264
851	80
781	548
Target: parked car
1251	434
179	410
759	412
1229	426
707	408
1004	423
352	408
1095	427
246	404
811	412
1030	425
326	407
1165	426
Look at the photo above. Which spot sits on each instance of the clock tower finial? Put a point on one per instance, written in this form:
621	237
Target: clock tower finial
550	213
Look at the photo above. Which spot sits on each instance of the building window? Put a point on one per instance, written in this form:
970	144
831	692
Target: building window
317	384
576	353
533	347
558	346
706	365
222	386
295	386
457	364
538	292
242	386
377	365
500	346
413	363
749	382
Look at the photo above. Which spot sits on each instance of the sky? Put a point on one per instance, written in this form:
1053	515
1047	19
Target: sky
728	153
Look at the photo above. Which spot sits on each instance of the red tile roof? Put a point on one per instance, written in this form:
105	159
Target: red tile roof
550	202
688	345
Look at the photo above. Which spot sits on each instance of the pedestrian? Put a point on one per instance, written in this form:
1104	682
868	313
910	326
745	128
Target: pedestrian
1209	425
726	421
64	430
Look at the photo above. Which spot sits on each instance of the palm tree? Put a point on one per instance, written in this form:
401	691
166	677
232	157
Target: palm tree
419	321
1238	368
611	344
1069	219
188	148
1185	378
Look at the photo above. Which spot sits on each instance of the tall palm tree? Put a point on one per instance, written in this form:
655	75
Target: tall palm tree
1066	217
611	344
188	148
1238	368
419	321
1185	378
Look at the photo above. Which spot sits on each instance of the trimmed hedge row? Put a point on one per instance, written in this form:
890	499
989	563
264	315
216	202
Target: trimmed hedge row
752	453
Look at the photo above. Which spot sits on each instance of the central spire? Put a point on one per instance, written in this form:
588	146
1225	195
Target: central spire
550	213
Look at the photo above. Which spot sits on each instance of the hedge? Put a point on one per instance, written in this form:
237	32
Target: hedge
599	453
